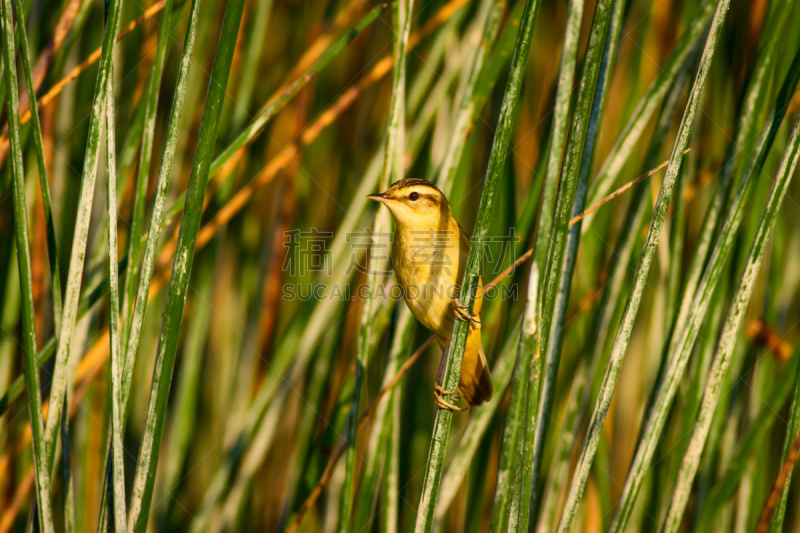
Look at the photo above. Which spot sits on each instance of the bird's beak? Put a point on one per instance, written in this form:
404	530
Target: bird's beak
379	198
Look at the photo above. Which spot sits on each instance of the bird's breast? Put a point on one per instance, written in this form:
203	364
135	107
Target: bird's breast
427	268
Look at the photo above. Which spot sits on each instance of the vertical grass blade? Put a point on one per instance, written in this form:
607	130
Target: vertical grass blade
52	248
511	469
157	216
730	331
442	44
118	465
81	234
533	378
471	99
566	75
629	138
22	17
68	489
477	427
392	171
752	107
181	269
298	484
526	508
255	43
725	488
640	277
148	132
691	392
634	217
391	522
567	184
791	431
568	268
779	487
452	370
383	429
21	235
184	409
677	358
227	514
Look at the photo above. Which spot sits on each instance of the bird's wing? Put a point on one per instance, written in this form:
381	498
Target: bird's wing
463	234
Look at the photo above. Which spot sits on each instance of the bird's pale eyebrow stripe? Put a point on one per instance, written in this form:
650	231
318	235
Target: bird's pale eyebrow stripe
422	191
412	183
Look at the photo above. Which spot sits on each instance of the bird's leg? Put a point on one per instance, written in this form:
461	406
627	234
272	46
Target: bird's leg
462	314
439	392
444	404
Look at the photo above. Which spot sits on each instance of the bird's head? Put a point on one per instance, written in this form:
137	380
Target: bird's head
415	203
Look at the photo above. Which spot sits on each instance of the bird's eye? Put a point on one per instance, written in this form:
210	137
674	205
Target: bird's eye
413	196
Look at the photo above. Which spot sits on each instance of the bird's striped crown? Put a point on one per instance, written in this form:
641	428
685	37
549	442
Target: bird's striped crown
398	186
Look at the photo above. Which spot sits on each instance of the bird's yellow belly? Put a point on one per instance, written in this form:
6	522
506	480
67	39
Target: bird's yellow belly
428	292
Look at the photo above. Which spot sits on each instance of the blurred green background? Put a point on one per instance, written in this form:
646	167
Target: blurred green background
263	382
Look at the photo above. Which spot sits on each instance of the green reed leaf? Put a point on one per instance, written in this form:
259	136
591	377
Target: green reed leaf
117	452
21	235
184	254
476	428
725	488
452	369
576	149
646	107
640	277
81	232
511	469
148	133
729	334
678	357
792	427
739	152
552	356
392	171
52	248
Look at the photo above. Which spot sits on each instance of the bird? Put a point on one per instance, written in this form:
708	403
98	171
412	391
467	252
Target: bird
429	257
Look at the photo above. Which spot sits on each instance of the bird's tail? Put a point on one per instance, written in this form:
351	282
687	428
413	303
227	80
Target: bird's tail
475	383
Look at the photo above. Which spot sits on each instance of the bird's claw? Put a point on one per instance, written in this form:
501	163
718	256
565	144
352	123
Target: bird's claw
438	397
462	313
438	388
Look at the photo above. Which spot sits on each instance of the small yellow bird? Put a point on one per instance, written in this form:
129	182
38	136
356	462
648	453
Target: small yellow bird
429	256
